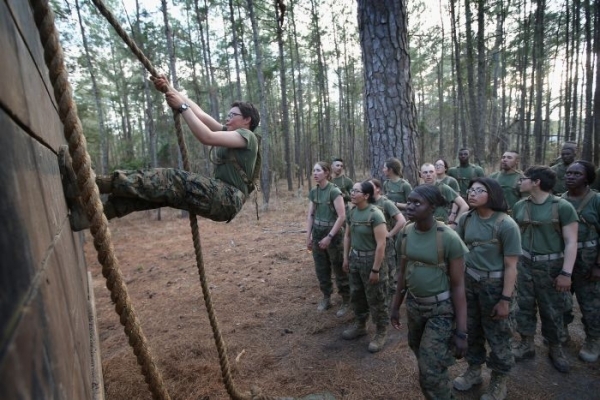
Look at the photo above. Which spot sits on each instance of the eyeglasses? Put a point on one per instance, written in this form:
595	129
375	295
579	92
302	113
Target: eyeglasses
523	179
355	191
232	114
476	190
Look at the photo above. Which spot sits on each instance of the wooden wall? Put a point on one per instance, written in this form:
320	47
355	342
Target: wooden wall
45	347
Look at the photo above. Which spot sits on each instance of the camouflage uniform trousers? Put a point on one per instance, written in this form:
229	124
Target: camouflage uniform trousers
391	261
535	290
430	336
330	260
482	297
168	187
587	292
367	298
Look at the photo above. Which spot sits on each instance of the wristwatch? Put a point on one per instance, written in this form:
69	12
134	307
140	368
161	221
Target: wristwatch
184	107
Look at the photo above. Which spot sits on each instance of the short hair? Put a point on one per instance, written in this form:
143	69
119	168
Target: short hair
431	194
589	168
496	200
367	188
326	167
376	182
248	110
464	149
336	159
427	163
544	174
395	165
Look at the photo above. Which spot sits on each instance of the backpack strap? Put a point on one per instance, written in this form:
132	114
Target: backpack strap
527	222
439	241
586	199
251	183
494	239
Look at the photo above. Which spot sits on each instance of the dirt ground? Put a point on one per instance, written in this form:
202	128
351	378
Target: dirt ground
265	294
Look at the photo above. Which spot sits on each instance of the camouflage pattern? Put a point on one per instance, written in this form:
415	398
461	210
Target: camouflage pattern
587	292
391	262
330	260
430	336
366	298
535	289
482	297
168	187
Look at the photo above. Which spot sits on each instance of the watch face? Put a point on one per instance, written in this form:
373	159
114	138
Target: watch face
183	107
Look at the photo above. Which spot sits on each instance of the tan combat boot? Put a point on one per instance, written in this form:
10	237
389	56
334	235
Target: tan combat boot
324	304
344	308
357	330
590	350
525	349
558	358
378	340
469	378
497	389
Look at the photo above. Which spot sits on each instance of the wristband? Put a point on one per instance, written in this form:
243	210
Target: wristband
461	335
330	236
375	271
564	273
505	298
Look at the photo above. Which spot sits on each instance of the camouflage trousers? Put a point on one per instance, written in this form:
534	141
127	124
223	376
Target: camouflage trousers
367	298
587	292
482	297
430	335
535	290
168	187
391	261
330	260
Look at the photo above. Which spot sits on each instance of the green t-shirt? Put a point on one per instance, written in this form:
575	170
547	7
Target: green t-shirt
489	255
464	175
559	186
345	184
441	213
397	191
510	186
543	237
450	181
389	211
323	200
361	223
589	217
246	156
422	248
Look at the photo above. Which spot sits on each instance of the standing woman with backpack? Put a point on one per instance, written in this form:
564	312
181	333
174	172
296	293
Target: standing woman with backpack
324	236
494	242
395	187
433	283
586	271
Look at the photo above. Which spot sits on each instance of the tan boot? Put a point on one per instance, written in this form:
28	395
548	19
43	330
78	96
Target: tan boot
324	304
558	358
469	378
378	340
497	389
104	184
357	330
344	308
525	349
590	350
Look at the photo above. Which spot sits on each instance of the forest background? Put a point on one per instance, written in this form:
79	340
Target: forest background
360	80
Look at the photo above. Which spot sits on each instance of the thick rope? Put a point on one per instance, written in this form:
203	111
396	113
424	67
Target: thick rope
73	132
219	341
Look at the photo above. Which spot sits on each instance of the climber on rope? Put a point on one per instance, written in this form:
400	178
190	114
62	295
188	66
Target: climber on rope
236	155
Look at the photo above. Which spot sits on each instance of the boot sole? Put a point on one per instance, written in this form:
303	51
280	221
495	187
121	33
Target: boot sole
464	389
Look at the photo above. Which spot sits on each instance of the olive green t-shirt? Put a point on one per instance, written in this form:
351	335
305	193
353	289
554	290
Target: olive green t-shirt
489	256
464	175
589	217
345	185
441	213
450	181
422	248
361	223
389	211
246	157
510	186
323	200
542	236
397	191
559	186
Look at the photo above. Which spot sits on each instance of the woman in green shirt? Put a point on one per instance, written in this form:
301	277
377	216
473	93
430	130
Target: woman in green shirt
396	189
494	242
433	282
364	251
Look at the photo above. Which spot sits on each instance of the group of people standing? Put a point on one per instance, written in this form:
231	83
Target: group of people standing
474	259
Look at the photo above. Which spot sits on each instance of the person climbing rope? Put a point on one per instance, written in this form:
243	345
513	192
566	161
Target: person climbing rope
219	198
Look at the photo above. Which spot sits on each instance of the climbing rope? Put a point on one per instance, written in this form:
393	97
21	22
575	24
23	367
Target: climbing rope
99	225
53	55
